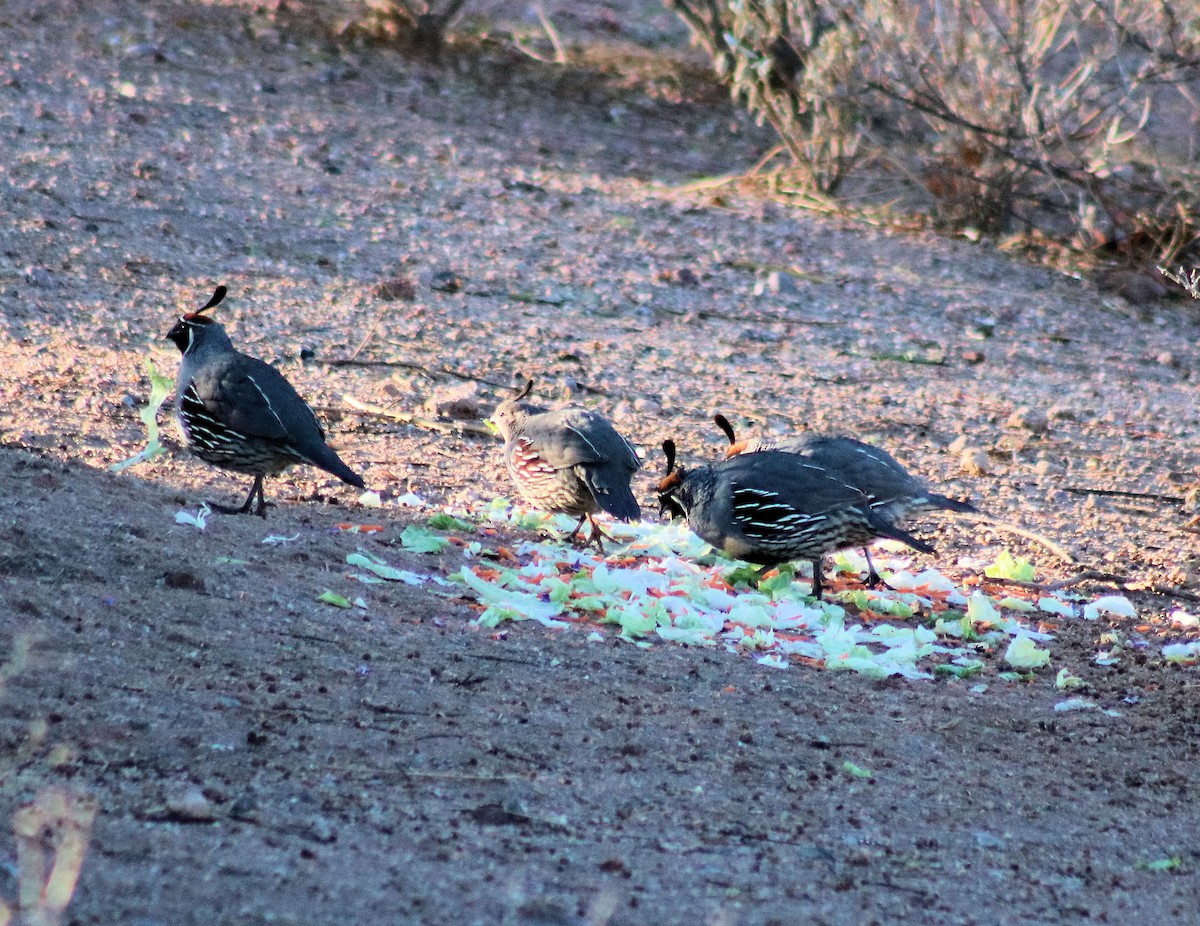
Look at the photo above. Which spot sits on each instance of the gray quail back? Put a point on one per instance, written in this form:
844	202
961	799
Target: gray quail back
892	491
568	460
763	508
241	414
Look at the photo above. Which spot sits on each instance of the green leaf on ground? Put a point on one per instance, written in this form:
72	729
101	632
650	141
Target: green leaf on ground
160	388
419	540
1008	566
333	598
448	522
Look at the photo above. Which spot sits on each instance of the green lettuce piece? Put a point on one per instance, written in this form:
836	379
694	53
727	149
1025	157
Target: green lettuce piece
966	670
981	610
160	388
558	590
1008	566
857	771
494	616
877	603
448	522
743	575
1174	863
419	540
383	570
635	622
779	584
860	660
1067	681
507	604
1023	653
333	598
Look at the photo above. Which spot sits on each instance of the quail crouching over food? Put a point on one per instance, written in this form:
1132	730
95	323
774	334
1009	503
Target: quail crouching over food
764	508
240	414
892	491
568	460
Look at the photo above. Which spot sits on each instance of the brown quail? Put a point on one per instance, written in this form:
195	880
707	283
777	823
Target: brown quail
568	460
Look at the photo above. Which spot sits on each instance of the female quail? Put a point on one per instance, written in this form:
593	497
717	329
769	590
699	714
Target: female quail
764	508
239	413
569	460
892	491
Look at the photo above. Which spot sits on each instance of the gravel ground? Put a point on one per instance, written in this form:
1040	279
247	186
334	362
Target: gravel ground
430	236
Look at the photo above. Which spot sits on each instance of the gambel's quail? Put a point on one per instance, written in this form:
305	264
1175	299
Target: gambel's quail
239	413
569	460
764	508
892	491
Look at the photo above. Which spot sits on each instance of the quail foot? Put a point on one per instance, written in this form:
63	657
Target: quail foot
240	414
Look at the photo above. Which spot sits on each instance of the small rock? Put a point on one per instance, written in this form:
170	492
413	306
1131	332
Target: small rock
1167	359
1045	467
395	288
973	356
781	284
975	461
460	400
38	276
190	805
1034	420
245	807
445	281
184	579
982	329
959	444
1132	285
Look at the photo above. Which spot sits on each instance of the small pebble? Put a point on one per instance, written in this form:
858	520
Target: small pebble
975	461
460	400
191	804
1034	420
445	281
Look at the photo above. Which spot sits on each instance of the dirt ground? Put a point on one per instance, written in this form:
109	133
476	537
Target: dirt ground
254	755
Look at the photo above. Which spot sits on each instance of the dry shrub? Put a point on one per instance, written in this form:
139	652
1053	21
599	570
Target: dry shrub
1075	118
417	24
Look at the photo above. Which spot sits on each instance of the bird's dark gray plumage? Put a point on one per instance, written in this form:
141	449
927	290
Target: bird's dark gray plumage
765	508
568	460
892	491
239	413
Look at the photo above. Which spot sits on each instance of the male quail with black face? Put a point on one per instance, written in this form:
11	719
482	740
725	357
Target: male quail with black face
892	491
764	508
569	460
239	413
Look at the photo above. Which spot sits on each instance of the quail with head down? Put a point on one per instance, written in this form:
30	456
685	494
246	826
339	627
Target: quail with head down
240	414
891	490
568	460
764	508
